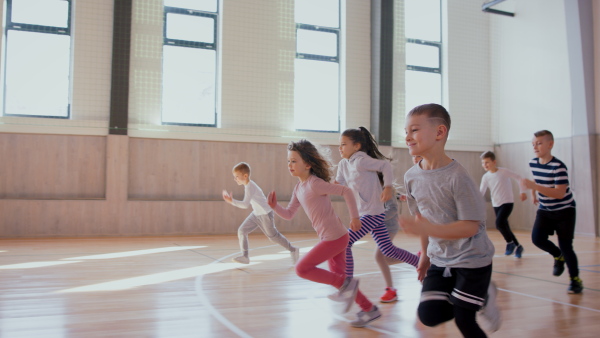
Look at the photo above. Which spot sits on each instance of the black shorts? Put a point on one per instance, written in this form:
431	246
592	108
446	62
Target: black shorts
465	287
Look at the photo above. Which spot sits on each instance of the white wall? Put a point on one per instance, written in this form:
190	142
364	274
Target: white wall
530	72
257	84
596	15
466	73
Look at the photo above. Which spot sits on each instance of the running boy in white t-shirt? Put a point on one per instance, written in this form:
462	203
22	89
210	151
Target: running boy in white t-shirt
497	179
261	216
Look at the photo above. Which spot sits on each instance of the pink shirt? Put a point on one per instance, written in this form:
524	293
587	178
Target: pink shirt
313	195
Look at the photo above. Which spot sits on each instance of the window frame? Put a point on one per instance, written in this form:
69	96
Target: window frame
32	28
324	58
438	45
193	44
437	70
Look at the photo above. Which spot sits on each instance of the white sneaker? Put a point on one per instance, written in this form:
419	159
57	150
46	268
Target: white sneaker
490	313
347	293
364	318
295	253
241	259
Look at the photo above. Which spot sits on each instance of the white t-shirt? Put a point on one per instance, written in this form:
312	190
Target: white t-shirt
253	195
500	186
359	173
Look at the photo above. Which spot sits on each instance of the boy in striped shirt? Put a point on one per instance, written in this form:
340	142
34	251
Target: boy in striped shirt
556	212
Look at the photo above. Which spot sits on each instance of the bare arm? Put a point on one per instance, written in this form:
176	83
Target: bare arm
534	197
424	261
421	226
558	191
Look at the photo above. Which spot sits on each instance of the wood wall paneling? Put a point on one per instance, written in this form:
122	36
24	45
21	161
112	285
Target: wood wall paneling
52	166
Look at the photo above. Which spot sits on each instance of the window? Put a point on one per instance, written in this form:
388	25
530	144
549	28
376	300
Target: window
37	58
423	77
317	65
189	86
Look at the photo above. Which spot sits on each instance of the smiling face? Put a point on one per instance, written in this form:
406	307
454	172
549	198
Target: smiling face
297	166
488	164
347	147
542	146
240	178
421	134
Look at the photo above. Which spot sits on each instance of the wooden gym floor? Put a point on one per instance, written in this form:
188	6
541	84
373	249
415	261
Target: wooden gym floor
188	287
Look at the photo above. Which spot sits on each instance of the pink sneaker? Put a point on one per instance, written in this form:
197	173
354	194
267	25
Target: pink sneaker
389	296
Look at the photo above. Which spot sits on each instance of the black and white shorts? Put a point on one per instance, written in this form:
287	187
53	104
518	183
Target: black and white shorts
462	287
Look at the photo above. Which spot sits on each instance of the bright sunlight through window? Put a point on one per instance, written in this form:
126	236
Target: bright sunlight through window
317	66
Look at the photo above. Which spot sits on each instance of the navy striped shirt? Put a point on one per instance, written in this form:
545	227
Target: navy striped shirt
550	175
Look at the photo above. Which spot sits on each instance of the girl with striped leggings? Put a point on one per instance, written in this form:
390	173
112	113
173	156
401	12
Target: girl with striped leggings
360	169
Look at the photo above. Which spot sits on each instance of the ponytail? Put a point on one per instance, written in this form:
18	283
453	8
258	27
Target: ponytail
367	144
371	146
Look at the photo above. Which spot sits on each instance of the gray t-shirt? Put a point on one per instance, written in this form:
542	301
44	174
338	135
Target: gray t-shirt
447	195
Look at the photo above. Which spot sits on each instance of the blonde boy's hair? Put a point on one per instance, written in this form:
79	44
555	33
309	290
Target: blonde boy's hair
242	167
544	133
432	111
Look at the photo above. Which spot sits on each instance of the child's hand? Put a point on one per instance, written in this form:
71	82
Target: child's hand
272	199
387	193
422	267
403	198
523	196
529	184
227	196
355	224
414	225
535	201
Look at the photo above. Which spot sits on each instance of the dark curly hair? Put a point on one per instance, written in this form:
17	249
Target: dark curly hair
320	166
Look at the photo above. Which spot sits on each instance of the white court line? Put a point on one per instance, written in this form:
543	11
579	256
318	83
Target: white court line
549	300
214	312
340	317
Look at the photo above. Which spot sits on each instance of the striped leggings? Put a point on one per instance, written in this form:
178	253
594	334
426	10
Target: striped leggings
374	225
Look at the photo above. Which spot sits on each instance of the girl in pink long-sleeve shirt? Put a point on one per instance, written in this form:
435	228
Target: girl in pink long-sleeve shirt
312	193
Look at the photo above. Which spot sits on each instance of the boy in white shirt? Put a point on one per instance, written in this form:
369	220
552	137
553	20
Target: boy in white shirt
497	179
261	216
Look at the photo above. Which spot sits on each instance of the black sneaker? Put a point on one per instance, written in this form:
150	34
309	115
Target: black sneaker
559	265
576	285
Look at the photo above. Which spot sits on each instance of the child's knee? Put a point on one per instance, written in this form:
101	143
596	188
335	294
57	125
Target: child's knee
432	314
465	318
302	270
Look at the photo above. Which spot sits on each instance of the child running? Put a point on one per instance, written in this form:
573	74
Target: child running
359	169
261	216
390	222
312	193
497	179
556	212
449	216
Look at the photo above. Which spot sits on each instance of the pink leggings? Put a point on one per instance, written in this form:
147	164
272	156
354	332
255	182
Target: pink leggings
334	252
